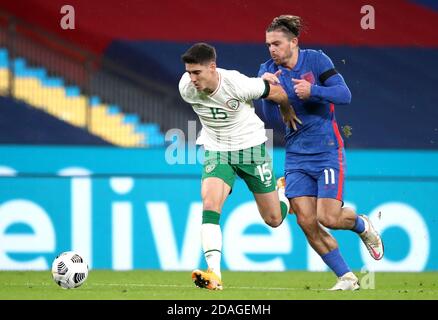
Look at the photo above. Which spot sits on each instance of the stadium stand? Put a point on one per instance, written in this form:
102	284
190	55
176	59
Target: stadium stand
45	90
51	95
36	125
375	63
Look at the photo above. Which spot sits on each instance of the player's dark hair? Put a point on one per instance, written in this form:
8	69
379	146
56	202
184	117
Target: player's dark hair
201	53
290	25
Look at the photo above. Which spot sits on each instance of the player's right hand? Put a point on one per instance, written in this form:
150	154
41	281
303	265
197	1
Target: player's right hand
290	118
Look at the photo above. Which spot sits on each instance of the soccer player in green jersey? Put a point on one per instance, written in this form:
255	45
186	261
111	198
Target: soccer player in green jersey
234	140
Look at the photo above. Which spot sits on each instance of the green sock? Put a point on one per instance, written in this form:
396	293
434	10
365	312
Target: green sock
284	210
209	216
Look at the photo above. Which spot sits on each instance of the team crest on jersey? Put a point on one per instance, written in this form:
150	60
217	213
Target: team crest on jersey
309	77
209	168
233	104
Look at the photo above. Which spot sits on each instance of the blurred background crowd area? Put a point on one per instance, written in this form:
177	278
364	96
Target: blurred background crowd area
112	80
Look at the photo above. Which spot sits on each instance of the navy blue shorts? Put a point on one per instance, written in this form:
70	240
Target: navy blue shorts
315	175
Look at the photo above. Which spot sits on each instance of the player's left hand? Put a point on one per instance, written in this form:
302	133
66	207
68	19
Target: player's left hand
272	78
302	88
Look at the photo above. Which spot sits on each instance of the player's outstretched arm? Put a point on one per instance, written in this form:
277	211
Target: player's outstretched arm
278	95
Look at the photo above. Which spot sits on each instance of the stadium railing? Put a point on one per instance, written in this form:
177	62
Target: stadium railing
152	108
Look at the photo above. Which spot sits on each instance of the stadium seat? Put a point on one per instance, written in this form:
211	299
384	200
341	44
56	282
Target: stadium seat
66	102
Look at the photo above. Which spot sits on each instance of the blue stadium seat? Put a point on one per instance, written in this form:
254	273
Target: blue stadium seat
107	115
94	101
4	58
72	91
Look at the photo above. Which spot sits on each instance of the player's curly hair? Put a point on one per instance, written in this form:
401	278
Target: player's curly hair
289	24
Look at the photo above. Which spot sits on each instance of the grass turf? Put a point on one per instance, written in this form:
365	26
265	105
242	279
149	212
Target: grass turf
166	285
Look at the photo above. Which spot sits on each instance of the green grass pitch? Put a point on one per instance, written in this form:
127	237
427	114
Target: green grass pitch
166	285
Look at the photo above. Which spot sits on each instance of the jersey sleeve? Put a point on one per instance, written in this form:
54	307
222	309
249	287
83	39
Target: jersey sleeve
270	110
262	70
183	87
325	67
247	88
324	63
333	87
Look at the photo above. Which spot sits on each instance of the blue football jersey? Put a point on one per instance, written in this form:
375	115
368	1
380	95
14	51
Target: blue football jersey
319	132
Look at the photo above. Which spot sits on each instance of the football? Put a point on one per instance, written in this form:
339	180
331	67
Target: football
69	270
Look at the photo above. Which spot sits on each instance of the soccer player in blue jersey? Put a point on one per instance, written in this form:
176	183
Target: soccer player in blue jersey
315	157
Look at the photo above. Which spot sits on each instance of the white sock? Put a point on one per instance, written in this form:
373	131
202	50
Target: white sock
211	238
367	225
282	197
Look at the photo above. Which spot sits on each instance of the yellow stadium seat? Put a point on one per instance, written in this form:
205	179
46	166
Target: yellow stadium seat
4	81
73	109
